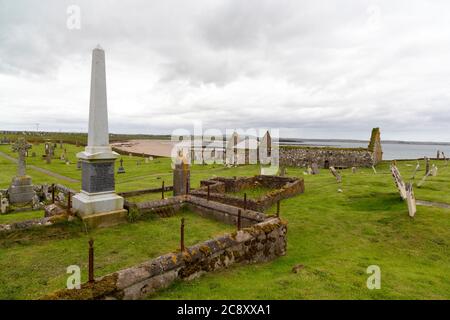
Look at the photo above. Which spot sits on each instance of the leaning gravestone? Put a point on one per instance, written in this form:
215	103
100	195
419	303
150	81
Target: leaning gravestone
415	171
336	174
398	181
411	200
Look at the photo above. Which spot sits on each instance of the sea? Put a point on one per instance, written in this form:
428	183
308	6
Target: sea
391	150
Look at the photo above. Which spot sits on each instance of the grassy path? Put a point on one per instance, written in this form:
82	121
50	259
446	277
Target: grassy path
45	171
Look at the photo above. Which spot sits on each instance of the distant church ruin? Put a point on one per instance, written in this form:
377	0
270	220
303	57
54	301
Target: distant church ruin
325	157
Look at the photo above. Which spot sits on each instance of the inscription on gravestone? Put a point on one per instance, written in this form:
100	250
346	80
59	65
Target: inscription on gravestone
98	177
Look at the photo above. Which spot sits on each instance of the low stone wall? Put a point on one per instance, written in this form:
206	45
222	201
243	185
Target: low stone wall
223	212
39	222
261	242
291	156
283	188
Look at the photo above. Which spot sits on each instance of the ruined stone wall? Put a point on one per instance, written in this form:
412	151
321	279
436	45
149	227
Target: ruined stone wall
291	156
283	188
261	242
226	213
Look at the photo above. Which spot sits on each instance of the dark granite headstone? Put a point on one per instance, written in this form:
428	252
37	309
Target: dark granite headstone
97	176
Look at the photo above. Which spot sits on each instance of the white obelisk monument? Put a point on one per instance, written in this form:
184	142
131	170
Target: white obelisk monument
97	201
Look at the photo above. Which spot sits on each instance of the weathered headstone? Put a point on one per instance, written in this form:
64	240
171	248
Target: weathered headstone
434	170
411	200
181	176
400	184
353	169
336	174
315	168
438	154
4	204
427	165
21	189
309	170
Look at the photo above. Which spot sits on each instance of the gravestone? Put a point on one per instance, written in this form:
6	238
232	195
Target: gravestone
97	203
427	165
336	174
21	189
181	176
315	168
434	170
121	168
398	181
425	177
438	154
415	170
411	200
4	204
282	171
146	160
353	170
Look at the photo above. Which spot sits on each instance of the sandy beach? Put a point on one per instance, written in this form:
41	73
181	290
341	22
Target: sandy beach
159	148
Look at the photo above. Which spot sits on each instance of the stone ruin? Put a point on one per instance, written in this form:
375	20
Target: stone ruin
326	157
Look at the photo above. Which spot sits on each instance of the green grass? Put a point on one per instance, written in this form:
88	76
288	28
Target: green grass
252	193
33	267
335	235
20	216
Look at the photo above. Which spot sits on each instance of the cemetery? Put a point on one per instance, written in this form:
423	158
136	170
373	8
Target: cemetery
144	228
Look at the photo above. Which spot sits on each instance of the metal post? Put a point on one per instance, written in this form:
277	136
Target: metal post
162	191
208	193
278	208
91	260
182	235
53	193
239	220
69	201
245	201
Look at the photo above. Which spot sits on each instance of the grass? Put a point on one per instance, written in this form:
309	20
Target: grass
335	235
20	216
33	267
252	193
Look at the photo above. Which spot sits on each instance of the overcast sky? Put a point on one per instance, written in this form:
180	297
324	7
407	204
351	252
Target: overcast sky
314	69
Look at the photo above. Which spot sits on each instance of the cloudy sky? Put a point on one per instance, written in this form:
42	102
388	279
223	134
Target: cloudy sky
314	69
